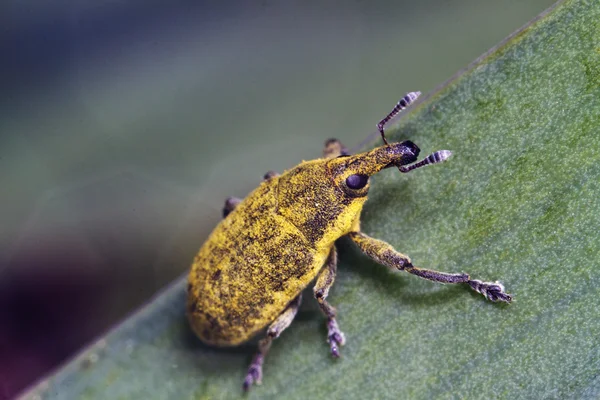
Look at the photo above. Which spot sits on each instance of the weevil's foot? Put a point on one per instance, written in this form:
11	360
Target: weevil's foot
493	291
335	337
254	374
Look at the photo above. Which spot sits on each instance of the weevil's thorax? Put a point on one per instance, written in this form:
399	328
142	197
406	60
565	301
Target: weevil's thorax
324	198
314	198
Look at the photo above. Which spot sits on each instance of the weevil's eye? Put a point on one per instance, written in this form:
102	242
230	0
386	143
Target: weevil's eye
357	181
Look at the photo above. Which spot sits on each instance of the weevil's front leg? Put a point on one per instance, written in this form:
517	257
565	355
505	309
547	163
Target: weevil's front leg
335	337
279	325
385	254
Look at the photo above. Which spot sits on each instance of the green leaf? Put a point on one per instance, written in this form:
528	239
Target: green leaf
518	202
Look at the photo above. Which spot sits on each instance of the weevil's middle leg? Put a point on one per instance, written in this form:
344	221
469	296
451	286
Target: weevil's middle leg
385	254
334	148
279	325
232	202
335	337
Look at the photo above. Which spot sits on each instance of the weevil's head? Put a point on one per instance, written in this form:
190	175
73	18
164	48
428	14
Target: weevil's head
351	173
324	198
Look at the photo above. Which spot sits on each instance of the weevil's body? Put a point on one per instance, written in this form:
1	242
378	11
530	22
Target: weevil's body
251	271
266	251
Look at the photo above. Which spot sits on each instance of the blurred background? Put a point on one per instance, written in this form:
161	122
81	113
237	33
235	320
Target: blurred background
125	124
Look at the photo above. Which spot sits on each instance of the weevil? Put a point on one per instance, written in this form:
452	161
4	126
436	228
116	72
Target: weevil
250	273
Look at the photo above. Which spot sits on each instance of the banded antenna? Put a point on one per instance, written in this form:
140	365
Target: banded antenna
434	158
401	105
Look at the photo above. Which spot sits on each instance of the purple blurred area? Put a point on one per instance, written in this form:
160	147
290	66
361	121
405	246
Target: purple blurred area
63	283
86	256
46	315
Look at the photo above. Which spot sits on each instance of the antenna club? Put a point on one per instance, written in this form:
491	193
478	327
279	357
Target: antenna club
404	102
444	155
434	158
413	96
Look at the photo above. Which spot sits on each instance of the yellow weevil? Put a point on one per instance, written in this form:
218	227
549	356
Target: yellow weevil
251	271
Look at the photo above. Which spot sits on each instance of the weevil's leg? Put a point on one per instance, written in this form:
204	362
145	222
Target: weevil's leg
269	175
230	204
334	148
279	325
385	254
335	337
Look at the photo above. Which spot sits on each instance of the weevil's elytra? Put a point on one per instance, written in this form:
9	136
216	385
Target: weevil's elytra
251	271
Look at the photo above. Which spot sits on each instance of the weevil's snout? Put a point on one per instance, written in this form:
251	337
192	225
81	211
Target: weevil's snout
412	148
394	154
408	153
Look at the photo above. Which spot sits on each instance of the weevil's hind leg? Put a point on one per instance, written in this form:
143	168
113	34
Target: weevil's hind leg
279	325
230	204
335	337
334	148
384	253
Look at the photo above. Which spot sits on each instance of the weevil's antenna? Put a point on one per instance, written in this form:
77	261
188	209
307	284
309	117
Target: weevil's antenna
401	105
433	158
